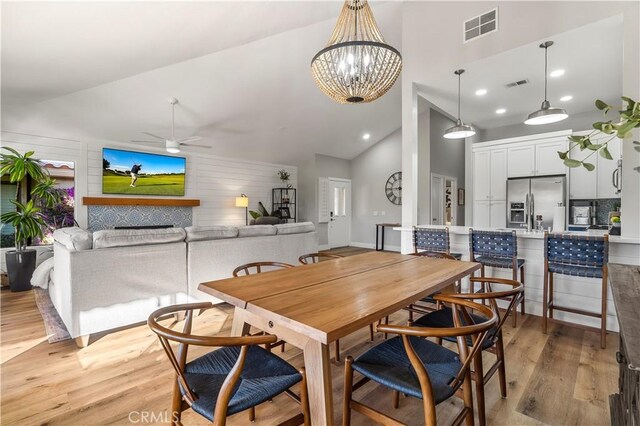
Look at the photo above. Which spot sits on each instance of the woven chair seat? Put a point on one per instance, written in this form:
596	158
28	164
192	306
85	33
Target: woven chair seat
443	318
575	270
498	262
389	365
263	377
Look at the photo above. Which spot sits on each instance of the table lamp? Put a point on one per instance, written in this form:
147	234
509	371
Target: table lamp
243	201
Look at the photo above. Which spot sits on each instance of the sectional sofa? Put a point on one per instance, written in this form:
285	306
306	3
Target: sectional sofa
114	278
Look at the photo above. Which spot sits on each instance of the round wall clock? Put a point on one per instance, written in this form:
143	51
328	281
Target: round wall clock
393	188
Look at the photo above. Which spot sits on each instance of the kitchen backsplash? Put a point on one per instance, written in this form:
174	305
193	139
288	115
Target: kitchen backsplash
603	207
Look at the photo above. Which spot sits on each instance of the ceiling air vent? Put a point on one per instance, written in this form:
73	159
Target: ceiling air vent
517	83
480	25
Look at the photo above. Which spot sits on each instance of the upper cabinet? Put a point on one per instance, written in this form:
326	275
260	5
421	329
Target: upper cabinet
600	183
536	158
481	171
490	175
521	161
547	160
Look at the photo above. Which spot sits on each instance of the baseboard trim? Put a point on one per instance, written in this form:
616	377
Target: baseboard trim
373	246
323	247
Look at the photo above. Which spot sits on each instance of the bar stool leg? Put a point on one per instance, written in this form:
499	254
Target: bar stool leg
545	297
522	309
550	295
603	320
514	312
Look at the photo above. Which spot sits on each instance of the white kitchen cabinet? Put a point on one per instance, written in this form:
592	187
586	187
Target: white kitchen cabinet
481	175
584	184
498	175
490	214
547	160
481	214
604	171
498	214
521	160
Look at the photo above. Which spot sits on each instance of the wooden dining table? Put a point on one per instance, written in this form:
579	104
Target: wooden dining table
312	305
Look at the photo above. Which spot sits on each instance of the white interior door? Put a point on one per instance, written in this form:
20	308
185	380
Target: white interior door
437	199
339	212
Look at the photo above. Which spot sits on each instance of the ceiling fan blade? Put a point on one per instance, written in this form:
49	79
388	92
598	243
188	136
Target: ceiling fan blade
189	139
145	141
199	146
154	136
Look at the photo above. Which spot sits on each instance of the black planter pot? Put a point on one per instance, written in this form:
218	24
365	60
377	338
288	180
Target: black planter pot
20	267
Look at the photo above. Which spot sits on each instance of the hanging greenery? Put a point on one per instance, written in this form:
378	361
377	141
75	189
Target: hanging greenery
628	119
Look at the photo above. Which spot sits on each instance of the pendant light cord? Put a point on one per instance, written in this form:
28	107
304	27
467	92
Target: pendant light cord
546	48
173	110
459	96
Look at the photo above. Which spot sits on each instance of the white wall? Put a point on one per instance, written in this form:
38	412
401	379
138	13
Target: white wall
316	167
215	181
369	173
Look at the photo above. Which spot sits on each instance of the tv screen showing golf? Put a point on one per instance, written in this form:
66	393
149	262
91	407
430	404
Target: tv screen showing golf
141	173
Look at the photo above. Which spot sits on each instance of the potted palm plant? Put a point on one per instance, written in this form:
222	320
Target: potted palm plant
27	219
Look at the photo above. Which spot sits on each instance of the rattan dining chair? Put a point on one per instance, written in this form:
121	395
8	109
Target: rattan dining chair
234	378
257	268
306	259
429	302
493	342
311	258
417	367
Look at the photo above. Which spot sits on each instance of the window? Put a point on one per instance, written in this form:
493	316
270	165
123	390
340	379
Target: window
58	216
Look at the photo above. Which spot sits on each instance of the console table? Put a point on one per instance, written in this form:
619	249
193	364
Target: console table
625	286
383	225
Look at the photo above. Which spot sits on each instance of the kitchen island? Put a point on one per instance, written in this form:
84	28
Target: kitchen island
570	291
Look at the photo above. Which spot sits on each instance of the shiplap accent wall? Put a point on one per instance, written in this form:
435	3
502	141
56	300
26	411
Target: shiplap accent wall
216	181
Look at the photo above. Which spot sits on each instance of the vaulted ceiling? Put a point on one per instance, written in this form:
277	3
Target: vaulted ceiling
103	71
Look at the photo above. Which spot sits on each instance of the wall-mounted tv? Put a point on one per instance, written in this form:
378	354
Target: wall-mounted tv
142	173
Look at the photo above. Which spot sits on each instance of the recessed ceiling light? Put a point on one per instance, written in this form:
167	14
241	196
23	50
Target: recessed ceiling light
501	111
481	92
566	98
556	73
366	136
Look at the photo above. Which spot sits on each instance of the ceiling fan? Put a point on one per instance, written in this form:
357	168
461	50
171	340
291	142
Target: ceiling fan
173	145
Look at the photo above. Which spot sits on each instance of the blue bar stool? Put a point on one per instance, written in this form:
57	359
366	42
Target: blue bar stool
579	256
498	250
434	240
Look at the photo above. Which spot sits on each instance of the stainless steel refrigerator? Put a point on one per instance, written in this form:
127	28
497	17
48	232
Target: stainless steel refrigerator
529	197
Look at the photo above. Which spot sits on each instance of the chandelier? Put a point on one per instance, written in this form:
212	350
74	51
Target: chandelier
357	65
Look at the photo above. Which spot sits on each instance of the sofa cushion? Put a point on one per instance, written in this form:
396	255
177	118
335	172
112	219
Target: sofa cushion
295	228
266	220
256	230
201	233
136	237
74	238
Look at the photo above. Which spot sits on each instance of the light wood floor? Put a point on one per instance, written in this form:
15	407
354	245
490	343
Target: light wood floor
560	378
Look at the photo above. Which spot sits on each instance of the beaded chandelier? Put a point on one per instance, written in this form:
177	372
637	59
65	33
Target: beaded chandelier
357	65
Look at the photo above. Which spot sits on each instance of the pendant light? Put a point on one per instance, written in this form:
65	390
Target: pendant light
357	66
546	114
460	130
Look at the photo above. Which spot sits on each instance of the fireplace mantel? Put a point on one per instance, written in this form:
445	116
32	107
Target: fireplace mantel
131	201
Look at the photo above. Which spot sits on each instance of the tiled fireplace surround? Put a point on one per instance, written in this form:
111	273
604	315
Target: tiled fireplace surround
108	217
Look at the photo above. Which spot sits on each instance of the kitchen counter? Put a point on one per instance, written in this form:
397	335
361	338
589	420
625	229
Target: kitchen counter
570	291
